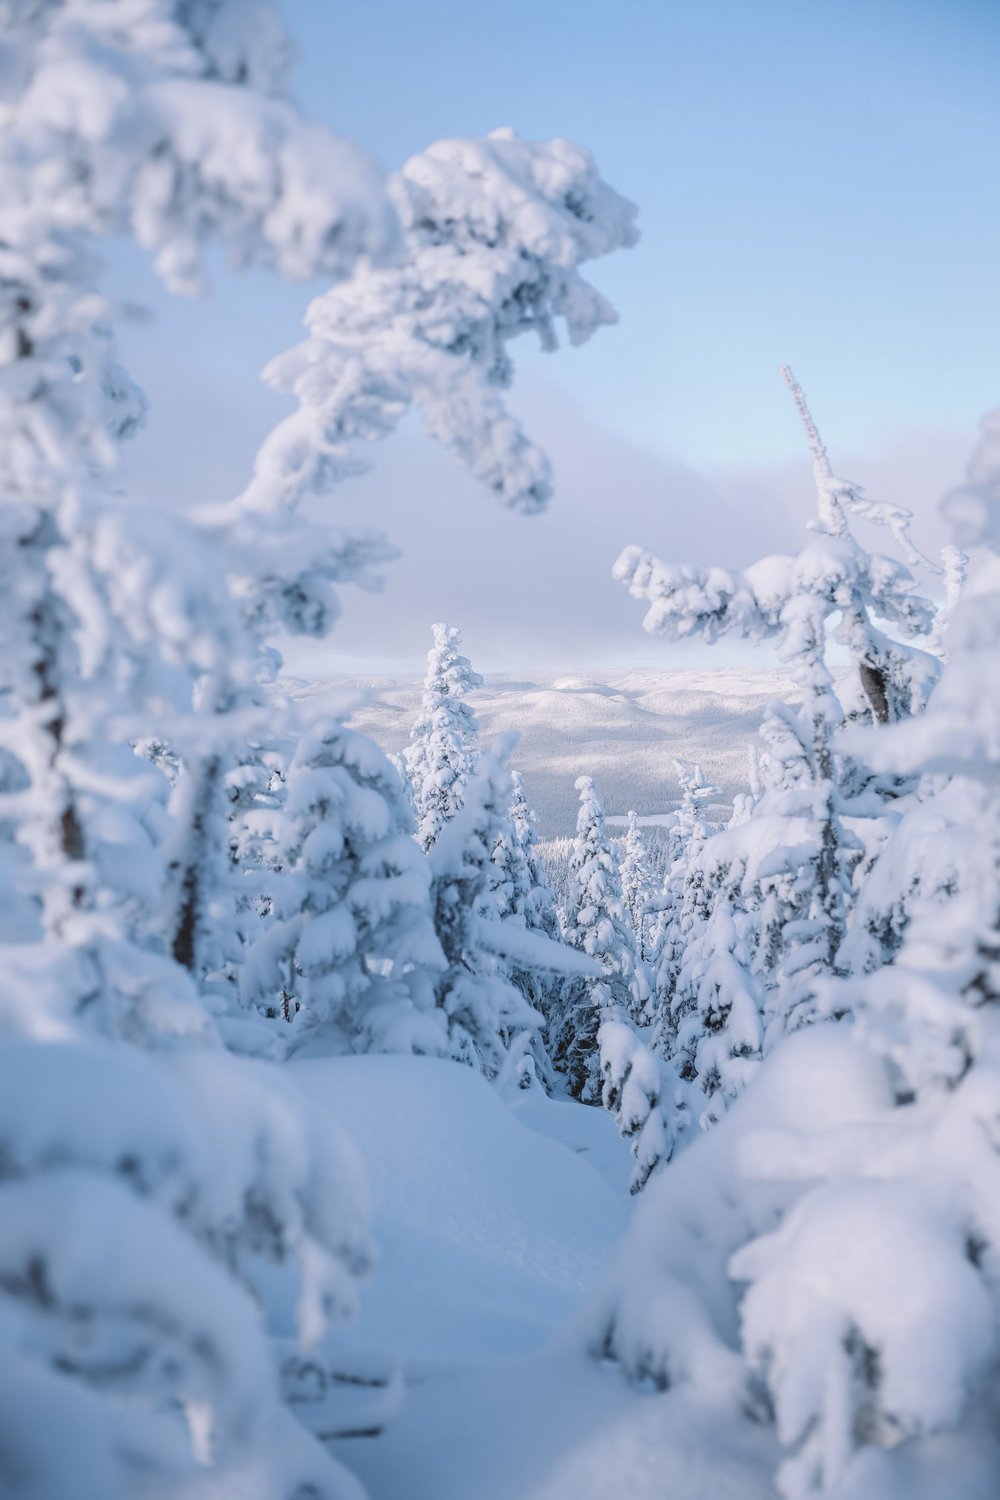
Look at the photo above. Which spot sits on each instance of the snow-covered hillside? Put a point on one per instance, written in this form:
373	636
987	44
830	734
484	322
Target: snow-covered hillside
494	1219
624	728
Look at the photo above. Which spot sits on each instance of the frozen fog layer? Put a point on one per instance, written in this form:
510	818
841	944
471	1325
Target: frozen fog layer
625	728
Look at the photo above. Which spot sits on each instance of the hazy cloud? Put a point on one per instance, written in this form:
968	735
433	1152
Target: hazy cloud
537	592
528	592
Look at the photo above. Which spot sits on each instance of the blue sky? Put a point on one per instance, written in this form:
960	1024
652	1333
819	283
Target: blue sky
817	185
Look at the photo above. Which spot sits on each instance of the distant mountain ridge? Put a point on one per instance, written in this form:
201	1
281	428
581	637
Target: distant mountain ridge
625	728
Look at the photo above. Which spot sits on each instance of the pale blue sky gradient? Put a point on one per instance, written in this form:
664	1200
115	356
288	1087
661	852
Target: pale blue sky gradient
817	182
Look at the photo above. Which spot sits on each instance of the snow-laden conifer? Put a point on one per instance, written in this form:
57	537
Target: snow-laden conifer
596	923
682	906
524	898
348	953
632	1083
444	742
834	586
789	600
487	1015
531	894
638	887
895	1368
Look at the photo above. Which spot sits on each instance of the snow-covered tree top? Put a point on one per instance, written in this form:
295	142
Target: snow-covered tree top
528	214
790	599
837	498
449	673
444	741
974	508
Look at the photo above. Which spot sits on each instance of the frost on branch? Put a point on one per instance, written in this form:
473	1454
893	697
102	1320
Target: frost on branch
168	125
495	232
638	887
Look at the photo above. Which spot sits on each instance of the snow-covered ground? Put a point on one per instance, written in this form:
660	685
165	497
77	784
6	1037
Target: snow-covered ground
624	728
490	1222
493	1220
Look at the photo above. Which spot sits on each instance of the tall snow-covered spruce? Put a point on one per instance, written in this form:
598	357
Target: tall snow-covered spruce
490	1019
595	1037
900	1366
525	898
348	954
444	742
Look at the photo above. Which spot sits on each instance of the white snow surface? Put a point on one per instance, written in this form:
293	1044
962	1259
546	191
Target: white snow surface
625	728
487	1232
494	1219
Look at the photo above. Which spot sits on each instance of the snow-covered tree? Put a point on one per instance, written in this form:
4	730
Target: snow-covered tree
487	1014
444	742
638	886
495	232
632	1079
139	1186
596	924
349	953
682	906
825	1258
897	1366
524	898
717	1004
790	600
834	587
531	894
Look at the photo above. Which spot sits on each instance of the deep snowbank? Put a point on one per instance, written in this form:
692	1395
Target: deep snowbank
487	1232
493	1221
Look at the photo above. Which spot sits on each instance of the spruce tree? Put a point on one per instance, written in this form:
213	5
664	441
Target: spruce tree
892	1362
444	742
683	905
638	887
348	953
597	925
524	898
833	590
484	1010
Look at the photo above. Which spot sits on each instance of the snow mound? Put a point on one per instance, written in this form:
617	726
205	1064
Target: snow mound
487	1231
